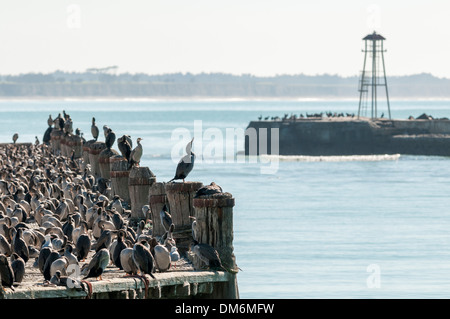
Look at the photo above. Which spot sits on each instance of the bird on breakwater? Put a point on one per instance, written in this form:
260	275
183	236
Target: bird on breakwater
94	129
194	228
166	218
210	189
143	259
6	273
97	265
136	154
186	163
18	267
15	138
110	138
82	247
120	245
19	246
127	262
161	255
207	254
105	130
125	146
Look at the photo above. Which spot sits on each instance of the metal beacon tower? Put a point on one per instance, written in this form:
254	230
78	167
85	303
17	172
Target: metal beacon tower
373	76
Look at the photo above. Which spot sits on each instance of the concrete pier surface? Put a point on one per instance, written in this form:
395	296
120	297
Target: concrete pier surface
348	136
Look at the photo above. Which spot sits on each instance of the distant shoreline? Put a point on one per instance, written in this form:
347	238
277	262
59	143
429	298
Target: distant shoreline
202	99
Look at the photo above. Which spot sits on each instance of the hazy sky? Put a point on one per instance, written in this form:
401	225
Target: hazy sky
260	37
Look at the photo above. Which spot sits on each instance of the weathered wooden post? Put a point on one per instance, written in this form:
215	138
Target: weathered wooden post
94	152
119	175
76	143
104	162
86	149
55	140
139	182
214	218
62	144
157	199
180	196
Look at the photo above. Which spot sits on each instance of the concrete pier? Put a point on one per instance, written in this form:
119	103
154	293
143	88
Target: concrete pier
348	136
182	280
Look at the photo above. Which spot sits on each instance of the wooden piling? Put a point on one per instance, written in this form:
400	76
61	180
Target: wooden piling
119	175
157	199
214	218
94	152
180	196
55	140
139	182
76	146
86	149
104	162
63	145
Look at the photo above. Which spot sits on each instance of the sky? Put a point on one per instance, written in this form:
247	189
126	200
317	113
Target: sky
259	37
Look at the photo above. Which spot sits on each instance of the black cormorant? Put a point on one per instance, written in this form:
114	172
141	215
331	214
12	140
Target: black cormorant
186	164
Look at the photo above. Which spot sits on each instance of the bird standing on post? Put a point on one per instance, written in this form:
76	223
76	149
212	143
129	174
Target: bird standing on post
136	154
94	129
207	254
110	138
125	146
186	164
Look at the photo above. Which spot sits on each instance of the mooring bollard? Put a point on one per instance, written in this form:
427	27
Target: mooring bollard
214	219
180	196
157	199
55	140
94	152
104	162
119	175
139	182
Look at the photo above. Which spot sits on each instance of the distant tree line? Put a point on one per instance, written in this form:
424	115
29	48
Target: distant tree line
67	84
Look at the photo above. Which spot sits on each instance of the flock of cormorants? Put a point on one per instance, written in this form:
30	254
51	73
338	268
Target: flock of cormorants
54	212
294	117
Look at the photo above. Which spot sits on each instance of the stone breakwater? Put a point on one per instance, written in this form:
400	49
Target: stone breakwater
348	136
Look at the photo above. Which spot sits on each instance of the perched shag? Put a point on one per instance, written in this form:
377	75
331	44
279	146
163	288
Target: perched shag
121	245
210	189
6	272
82	247
136	154
186	164
161	255
207	254
143	259
125	146
94	129
19	246
110	138
15	137
18	267
97	265
166	218
127	262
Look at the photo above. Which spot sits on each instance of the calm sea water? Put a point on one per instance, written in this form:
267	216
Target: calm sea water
369	227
